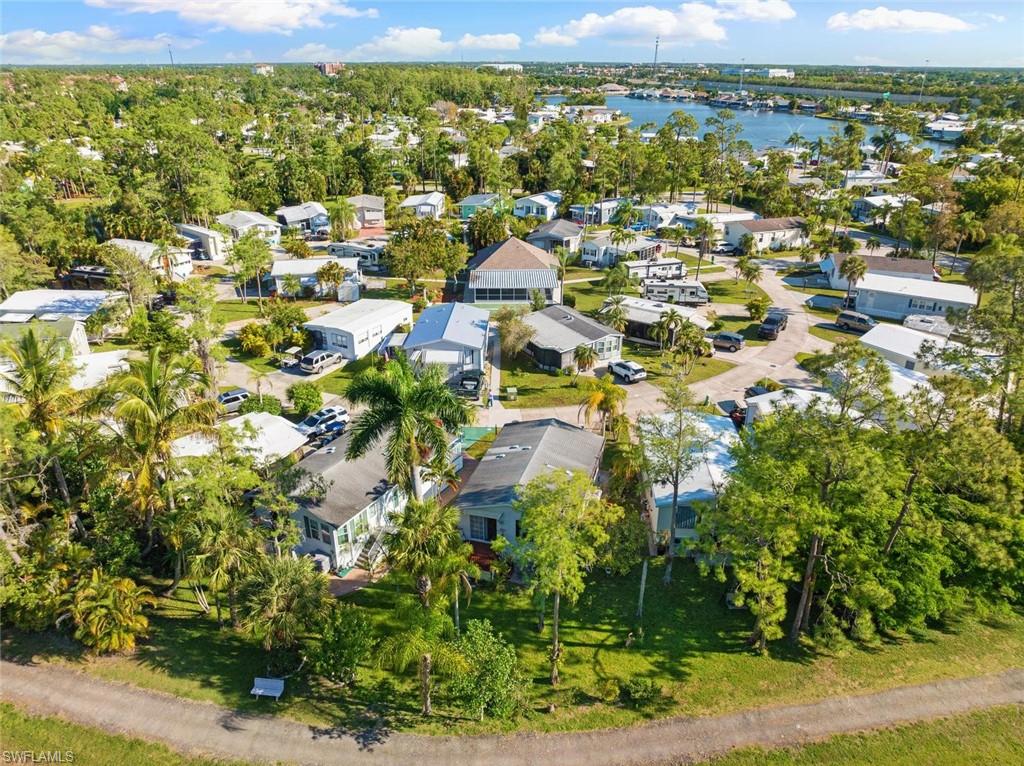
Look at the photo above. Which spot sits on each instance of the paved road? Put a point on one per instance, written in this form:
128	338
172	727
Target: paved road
198	727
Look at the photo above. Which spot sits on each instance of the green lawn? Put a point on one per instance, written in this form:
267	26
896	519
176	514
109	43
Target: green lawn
590	295
234	310
993	736
233	348
744	326
730	291
90	746
112	344
338	382
536	388
582	272
706	266
652	360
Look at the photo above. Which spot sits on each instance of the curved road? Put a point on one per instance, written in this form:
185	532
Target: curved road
205	728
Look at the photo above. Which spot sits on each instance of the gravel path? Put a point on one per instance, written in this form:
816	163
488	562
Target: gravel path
198	727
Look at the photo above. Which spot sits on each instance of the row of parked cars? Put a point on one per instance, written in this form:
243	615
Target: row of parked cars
329	420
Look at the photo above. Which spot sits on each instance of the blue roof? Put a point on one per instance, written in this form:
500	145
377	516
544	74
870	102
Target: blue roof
455	322
478	199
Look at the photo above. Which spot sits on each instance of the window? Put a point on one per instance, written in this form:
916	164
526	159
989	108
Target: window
483	528
325	534
308	524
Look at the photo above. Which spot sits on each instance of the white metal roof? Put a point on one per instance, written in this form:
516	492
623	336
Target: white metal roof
274	438
430	198
458	323
301	212
898	339
93	369
646	311
363	314
63	302
242	219
709	477
919	288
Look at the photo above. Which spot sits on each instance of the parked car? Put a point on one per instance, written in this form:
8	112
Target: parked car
629	372
728	340
854	320
232	401
755	390
724	248
332	431
319	422
318	361
772	325
469	385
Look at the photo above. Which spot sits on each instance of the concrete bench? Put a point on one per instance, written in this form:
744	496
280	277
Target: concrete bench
268	687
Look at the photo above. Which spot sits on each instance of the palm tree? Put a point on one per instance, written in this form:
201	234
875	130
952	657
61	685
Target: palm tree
672	320
704	231
413	411
38	384
620	237
291	285
343	218
617	279
614	314
886	140
660	332
853	269
751	271
690	344
565	260
284	601
107	612
584	357
873	243
602	396
456	572
748	244
331	275
969	228
229	550
424	534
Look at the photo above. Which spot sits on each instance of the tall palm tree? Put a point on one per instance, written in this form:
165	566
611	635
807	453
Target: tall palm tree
872	244
424	534
412	411
617	279
660	332
620	237
704	231
455	574
853	269
751	271
601	396
343	218
584	357
969	228
614	314
886	140
672	320
38	385
229	549
565	259
291	285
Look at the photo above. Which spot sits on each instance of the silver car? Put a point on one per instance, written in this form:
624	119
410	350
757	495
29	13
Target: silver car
232	401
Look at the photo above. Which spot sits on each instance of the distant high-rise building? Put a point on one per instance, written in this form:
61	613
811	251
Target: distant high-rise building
330	68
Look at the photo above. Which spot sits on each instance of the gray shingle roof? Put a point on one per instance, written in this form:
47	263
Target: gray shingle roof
772	224
892	265
559	228
352	484
563	328
370	201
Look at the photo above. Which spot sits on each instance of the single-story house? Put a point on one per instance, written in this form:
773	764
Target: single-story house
656	268
358	328
763	405
521	452
679	291
904	346
368	211
769	233
642	314
204	244
872	179
558	330
50	305
239	222
509	272
306	270
474	202
369	251
268	438
899	297
908	268
345	525
598	213
543	205
450	334
871	208
599	251
62	326
92	369
309	216
717	435
557	233
175	263
429	205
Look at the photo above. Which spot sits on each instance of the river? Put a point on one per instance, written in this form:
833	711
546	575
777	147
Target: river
763	130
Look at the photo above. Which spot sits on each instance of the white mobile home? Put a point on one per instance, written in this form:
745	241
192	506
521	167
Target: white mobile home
239	222
175	263
369	251
205	244
903	346
908	268
357	329
656	268
543	205
768	233
675	291
899	297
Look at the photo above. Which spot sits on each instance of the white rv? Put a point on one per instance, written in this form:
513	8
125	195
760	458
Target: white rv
681	291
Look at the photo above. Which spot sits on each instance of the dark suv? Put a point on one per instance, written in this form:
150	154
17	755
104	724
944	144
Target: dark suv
772	325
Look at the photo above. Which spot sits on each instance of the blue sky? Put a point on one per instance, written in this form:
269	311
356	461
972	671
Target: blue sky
865	32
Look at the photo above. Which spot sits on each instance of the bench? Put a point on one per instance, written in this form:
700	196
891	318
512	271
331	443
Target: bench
268	687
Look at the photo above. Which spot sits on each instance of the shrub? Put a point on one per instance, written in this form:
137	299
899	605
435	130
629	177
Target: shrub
419	303
305	397
253	340
265	403
569	299
640	691
758	308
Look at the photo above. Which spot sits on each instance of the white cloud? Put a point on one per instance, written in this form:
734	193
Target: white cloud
96	43
997	18
495	42
280	16
882	19
686	24
408	43
313	52
246	55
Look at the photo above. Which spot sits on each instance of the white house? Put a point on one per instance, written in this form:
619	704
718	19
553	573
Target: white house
368	250
369	211
429	205
307	217
239	222
306	270
174	263
557	233
358	328
599	251
899	297
205	244
762	405
51	305
642	314
907	268
768	233
267	438
597	213
873	207
904	346
453	335
543	205
92	369
14	326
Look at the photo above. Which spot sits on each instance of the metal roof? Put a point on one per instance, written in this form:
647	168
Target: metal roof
67	302
453	322
563	328
364	313
430	198
532	279
368	201
559	228
918	288
645	311
478	199
302	212
242	219
304	267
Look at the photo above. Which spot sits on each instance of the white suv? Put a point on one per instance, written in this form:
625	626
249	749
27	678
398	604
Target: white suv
317	361
317	423
630	372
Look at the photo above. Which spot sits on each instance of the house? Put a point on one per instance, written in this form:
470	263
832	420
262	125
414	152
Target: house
509	272
763	405
429	205
368	211
344	526
521	452
239	222
267	438
72	330
307	217
204	244
903	346
899	297
769	233
680	291
175	263
557	233
872	179
558	330
597	213
92	369
358	328
450	334
309	283
600	252
543	205
656	268
908	268
716	436
51	305
369	251
642	314
474	202
874	207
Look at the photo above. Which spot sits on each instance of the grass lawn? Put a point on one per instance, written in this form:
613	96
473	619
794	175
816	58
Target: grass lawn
338	381
233	348
582	272
694	648
396	291
988	736
233	311
744	326
536	388
826	291
90	746
112	344
590	295
652	359
730	291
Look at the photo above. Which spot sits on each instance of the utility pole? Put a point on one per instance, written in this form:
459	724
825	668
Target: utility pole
171	54
654	71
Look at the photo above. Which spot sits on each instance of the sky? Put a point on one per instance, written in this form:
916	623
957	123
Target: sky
851	32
